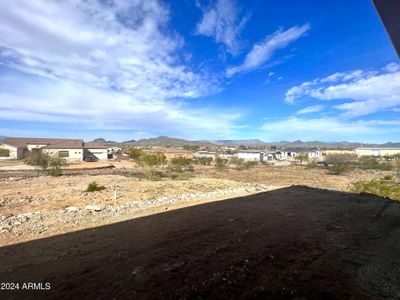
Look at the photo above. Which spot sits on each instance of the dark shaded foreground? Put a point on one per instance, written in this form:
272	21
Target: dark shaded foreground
292	243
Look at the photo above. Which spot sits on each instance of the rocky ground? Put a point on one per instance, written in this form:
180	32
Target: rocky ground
39	206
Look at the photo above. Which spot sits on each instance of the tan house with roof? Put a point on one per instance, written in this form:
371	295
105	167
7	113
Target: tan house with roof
68	149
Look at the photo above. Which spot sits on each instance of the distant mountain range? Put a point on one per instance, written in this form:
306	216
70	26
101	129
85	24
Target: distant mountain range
175	142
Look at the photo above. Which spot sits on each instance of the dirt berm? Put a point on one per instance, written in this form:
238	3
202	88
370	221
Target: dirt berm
292	243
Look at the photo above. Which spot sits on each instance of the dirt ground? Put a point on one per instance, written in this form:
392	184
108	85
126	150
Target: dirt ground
40	206
290	243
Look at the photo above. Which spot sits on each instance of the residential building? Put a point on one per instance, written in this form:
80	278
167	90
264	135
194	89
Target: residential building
251	155
68	149
377	151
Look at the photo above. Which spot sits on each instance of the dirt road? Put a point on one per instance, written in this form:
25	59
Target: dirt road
292	243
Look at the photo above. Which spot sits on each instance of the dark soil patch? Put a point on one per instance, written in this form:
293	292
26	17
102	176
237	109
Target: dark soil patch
293	243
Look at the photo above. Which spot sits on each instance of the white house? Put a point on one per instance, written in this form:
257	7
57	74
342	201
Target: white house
285	154
314	154
204	153
377	151
68	149
251	155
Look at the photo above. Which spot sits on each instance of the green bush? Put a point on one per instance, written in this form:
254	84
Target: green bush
388	177
312	165
178	164
94	187
378	187
220	163
206	161
150	161
49	165
373	163
340	163
134	153
301	157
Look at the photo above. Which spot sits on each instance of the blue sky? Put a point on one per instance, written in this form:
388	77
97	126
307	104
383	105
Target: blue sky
221	69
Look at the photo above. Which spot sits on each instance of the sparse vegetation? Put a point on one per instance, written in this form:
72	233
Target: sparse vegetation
94	187
134	153
312	165
340	163
301	157
240	164
181	163
150	161
380	188
206	161
49	165
373	163
220	163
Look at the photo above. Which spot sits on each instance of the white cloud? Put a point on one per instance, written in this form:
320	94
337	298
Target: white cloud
89	108
102	64
311	109
122	44
326	129
262	52
223	22
367	91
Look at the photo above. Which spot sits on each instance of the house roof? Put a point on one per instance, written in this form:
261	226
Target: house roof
251	151
92	145
49	142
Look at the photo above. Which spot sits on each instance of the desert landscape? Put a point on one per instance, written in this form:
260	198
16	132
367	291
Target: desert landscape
36	206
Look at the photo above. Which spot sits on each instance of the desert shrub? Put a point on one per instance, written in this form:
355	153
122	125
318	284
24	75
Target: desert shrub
250	164
388	177
134	153
220	163
55	166
4	152
312	165
338	169
240	164
178	164
150	161
206	161
378	187
301	157
340	163
49	165
94	187
373	163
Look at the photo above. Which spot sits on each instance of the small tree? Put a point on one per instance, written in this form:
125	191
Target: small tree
180	163
241	164
302	157
150	161
55	166
49	165
220	163
206	161
134	153
340	163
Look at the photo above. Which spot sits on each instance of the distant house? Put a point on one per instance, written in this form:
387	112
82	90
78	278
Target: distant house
314	154
68	149
285	154
251	155
213	155
175	153
377	151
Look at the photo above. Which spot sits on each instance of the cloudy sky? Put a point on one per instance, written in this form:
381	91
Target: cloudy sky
197	69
